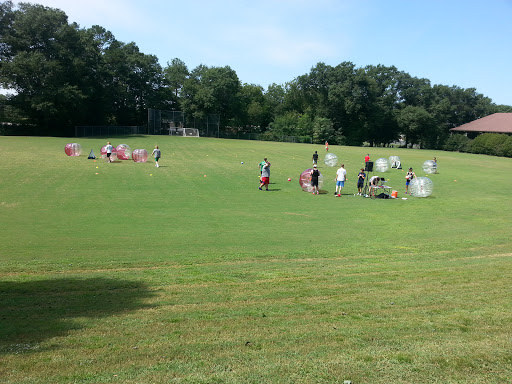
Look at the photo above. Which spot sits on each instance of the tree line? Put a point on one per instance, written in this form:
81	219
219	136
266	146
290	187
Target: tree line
61	75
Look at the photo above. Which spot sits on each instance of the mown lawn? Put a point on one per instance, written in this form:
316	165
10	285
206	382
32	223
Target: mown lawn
189	274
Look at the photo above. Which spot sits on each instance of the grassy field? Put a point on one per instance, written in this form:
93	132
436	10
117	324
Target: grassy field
125	273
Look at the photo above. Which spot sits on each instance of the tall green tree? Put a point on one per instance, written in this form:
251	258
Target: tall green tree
253	112
176	73
40	56
212	90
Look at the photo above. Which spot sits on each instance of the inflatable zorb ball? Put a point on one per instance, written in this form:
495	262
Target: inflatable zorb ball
305	181
124	152
140	155
73	149
381	165
330	160
394	161
421	187
430	166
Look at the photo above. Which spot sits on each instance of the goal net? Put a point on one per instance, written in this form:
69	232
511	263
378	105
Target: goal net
186	132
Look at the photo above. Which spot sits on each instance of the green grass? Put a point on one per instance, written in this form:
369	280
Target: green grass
131	274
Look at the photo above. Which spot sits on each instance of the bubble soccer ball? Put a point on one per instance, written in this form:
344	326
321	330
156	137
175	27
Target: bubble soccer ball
124	152
330	160
140	155
73	149
430	166
103	152
305	181
381	165
421	187
394	161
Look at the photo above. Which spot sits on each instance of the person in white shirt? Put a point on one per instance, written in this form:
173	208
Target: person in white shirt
341	176
109	148
156	153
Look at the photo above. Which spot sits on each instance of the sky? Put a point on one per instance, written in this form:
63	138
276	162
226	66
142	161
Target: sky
466	43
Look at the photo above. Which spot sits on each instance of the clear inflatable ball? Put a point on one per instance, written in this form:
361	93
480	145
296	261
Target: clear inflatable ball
124	152
73	149
394	161
330	160
305	181
140	155
421	187
381	165
430	166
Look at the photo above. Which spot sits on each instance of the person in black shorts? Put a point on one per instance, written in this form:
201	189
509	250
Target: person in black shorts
360	181
315	158
315	173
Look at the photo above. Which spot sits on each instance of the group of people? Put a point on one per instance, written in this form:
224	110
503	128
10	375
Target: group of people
156	153
341	177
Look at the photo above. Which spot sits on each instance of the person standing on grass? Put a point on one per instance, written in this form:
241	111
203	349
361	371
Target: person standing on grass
360	181
315	158
261	165
315	174
156	153
341	176
408	178
265	175
326	146
109	148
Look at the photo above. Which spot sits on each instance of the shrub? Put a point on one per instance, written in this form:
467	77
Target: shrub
488	143
458	142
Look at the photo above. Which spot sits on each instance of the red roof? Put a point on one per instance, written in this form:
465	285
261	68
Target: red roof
495	123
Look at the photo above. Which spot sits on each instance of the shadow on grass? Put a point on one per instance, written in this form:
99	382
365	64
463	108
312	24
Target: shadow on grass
33	311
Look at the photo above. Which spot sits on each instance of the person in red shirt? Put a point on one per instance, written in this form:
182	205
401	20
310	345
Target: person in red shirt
367	158
326	146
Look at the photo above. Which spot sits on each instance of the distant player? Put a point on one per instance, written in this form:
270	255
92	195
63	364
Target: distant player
360	181
156	153
315	174
315	158
109	148
408	178
326	146
261	165
265	175
341	176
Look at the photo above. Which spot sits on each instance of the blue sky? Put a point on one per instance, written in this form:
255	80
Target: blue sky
451	42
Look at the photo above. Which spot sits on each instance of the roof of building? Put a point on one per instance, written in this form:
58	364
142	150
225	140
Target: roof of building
495	123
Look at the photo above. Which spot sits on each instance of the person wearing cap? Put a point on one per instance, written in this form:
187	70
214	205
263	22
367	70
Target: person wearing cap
341	176
315	173
408	178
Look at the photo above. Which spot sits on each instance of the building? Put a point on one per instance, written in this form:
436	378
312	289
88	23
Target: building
495	123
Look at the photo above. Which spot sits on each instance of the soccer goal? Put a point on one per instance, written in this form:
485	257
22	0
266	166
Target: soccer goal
186	132
190	132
